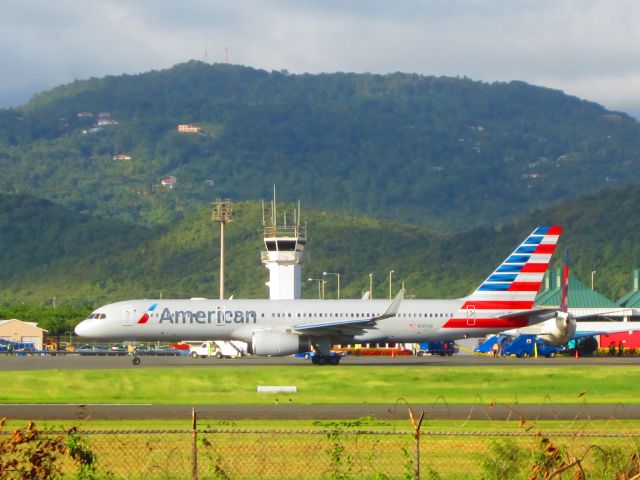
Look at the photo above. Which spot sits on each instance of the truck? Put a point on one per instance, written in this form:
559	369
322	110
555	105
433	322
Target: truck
446	347
218	349
519	346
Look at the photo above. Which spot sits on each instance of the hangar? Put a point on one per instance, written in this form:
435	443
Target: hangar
18	331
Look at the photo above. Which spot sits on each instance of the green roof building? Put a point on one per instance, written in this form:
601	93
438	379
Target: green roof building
632	299
580	295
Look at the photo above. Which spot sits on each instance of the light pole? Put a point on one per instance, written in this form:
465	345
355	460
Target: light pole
222	213
337	275
390	273
320	282
593	274
371	286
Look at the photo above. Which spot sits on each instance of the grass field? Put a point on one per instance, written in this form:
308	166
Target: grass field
343	385
296	449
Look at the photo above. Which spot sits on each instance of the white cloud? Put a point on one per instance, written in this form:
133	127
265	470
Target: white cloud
589	48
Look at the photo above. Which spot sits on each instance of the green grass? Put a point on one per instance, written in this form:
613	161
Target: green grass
368	424
346	384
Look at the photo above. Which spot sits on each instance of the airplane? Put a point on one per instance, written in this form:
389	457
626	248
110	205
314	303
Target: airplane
285	327
565	326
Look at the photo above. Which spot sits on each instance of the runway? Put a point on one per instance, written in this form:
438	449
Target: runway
284	410
73	362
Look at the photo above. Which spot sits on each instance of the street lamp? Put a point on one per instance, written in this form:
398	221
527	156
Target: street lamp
320	285
593	274
371	286
390	273
337	275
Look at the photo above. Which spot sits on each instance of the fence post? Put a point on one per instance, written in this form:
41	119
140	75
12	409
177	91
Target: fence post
194	445
416	436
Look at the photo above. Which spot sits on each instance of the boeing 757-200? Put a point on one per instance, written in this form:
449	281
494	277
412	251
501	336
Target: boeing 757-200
284	327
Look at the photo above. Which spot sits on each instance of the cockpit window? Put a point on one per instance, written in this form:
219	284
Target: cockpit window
100	316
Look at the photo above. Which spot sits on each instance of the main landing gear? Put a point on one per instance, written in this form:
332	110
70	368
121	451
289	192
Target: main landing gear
322	359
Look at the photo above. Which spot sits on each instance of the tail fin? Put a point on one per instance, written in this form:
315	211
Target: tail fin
513	286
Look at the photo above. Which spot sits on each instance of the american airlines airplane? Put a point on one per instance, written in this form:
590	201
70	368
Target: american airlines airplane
284	327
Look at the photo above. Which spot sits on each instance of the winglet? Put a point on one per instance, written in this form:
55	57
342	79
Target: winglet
392	311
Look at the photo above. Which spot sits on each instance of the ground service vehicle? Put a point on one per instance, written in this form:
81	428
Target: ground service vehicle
443	348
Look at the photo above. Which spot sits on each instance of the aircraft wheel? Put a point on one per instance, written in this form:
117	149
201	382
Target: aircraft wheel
135	360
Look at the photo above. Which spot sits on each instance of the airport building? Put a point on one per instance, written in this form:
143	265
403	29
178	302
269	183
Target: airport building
19	332
284	252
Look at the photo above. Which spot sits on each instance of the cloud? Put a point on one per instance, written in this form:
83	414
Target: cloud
585	47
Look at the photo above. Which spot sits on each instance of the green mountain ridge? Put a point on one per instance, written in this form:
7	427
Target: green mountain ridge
50	252
449	153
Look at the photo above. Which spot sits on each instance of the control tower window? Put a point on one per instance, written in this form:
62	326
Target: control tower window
286	245
271	245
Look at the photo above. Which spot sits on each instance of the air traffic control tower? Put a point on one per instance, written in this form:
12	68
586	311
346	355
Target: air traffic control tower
284	252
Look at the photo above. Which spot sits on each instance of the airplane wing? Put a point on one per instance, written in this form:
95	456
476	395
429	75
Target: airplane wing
350	326
589	329
528	313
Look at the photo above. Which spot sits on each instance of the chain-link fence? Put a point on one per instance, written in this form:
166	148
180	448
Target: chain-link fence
340	454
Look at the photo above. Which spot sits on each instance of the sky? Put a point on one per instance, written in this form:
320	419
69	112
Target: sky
587	48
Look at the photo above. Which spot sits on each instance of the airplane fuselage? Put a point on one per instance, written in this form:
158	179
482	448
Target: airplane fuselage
200	319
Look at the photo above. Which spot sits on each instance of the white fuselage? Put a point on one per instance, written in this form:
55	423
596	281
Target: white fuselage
416	320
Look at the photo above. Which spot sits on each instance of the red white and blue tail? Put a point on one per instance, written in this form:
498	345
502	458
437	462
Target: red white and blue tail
512	288
515	283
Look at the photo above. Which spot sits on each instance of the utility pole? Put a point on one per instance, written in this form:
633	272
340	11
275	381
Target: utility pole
222	213
390	273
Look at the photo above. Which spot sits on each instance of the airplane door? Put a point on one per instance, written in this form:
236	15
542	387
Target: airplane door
471	316
127	315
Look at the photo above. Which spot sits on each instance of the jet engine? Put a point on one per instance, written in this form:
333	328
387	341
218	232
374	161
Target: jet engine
278	344
559	330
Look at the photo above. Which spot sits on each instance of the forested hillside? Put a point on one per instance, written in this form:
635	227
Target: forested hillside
447	153
49	252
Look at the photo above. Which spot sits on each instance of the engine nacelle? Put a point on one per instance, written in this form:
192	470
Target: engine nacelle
270	343
559	330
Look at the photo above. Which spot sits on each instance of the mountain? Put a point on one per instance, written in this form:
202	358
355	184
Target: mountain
49	251
448	153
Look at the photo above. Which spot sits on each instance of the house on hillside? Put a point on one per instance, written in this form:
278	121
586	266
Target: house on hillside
18	331
168	182
122	156
188	128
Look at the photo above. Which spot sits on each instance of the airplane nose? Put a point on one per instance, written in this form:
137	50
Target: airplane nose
82	329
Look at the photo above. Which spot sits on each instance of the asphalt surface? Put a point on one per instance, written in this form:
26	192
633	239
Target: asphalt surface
71	362
282	409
